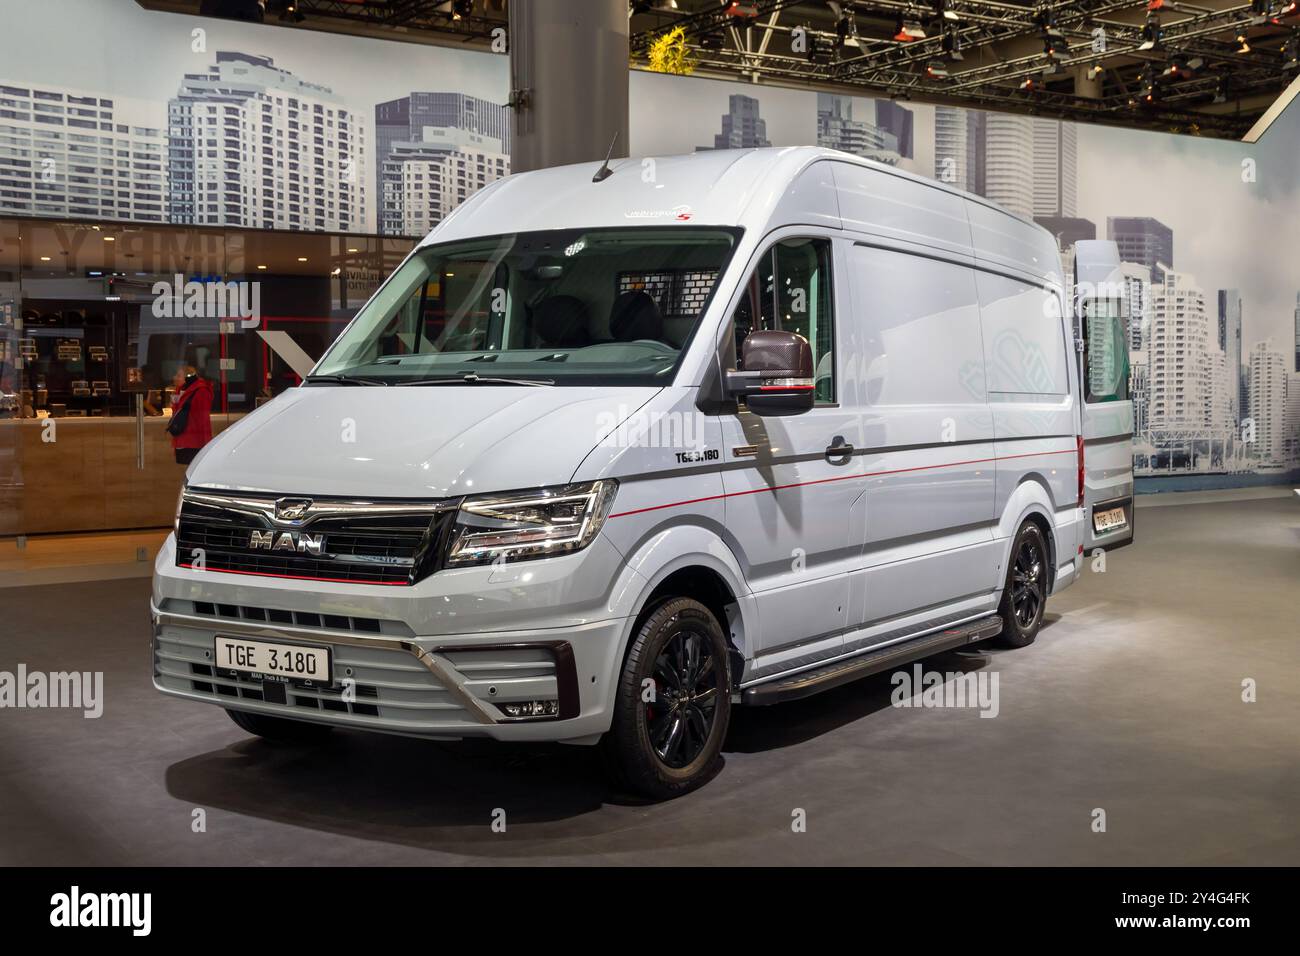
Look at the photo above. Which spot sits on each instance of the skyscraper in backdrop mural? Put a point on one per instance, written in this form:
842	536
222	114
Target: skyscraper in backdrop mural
298	149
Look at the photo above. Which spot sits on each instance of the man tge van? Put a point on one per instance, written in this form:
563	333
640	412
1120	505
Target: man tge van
621	447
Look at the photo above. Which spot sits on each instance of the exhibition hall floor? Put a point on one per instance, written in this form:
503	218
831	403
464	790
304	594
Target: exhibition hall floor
1130	703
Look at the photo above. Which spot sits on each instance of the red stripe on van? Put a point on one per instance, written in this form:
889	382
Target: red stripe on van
822	481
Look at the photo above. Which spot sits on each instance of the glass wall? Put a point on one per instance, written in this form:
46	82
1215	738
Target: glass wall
99	325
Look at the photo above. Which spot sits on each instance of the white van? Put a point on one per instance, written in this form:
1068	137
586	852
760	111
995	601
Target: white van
613	452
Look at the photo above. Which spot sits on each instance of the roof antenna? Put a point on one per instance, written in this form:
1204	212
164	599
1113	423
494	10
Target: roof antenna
605	172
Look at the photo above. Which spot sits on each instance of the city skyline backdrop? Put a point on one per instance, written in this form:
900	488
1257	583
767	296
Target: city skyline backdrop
238	125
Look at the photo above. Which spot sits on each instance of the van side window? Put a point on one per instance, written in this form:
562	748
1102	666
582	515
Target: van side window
792	283
1105	353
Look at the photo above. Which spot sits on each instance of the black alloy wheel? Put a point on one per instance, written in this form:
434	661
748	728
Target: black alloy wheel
1024	594
685	701
672	705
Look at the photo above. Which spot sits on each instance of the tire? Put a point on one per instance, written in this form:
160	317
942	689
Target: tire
279	729
1024	593
670	745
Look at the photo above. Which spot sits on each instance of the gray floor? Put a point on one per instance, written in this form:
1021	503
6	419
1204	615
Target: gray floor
1130	701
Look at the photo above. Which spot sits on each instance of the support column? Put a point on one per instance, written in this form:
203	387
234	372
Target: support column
568	81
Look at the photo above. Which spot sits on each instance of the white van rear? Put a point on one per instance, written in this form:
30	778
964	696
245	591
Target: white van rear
613	452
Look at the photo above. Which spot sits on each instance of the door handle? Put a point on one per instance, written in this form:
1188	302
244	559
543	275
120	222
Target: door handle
839	449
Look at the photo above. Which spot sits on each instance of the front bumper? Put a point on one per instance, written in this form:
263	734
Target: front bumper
449	688
436	660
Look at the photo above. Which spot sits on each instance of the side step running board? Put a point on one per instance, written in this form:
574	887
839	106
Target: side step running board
807	683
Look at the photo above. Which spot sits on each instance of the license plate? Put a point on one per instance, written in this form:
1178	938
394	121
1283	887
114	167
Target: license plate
293	661
1112	519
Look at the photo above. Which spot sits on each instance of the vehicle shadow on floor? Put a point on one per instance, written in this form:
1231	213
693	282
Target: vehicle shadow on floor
760	729
446	796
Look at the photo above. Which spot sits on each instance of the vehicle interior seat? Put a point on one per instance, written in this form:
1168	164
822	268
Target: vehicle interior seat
635	316
560	322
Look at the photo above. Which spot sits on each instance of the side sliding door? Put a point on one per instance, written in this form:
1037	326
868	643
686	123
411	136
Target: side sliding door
928	460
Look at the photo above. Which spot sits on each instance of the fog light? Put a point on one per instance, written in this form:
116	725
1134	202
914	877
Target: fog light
531	708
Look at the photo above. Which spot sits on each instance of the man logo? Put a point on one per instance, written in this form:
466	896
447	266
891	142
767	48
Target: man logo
291	509
299	541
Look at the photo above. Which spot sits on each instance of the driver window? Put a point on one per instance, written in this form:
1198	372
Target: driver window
792	285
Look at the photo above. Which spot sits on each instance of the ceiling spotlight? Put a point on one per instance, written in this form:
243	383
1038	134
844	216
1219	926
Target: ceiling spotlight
1242	45
1095	71
1151	33
846	32
815	53
1182	66
908	30
1055	46
1291	53
291	14
1028	83
460	9
951	43
1223	89
937	70
711	41
941	10
746	10
1148	80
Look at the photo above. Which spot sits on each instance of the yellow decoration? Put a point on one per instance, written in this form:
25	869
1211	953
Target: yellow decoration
670	54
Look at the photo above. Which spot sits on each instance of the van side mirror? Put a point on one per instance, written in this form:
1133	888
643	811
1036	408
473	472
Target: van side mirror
778	373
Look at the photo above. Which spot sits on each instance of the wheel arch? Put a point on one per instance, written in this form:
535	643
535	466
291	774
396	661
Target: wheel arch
701	567
1031	501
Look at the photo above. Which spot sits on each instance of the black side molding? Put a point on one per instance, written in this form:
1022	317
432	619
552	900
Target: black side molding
807	683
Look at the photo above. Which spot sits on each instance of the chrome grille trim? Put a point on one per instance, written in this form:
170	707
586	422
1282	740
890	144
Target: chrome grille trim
263	506
393	542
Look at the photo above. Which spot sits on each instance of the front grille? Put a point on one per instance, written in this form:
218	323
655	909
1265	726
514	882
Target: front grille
366	548
307	620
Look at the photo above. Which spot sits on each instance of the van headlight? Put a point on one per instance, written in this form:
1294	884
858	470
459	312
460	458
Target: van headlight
534	524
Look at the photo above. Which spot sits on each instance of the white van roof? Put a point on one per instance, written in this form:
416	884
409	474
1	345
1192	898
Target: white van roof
756	189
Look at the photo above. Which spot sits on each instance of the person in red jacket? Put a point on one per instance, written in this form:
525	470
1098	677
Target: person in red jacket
194	392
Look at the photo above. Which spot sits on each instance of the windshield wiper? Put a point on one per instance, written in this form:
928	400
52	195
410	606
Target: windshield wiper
343	380
475	379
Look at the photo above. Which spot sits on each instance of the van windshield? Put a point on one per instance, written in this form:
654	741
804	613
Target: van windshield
563	307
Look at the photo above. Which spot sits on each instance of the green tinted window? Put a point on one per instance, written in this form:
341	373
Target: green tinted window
793	285
1105	354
